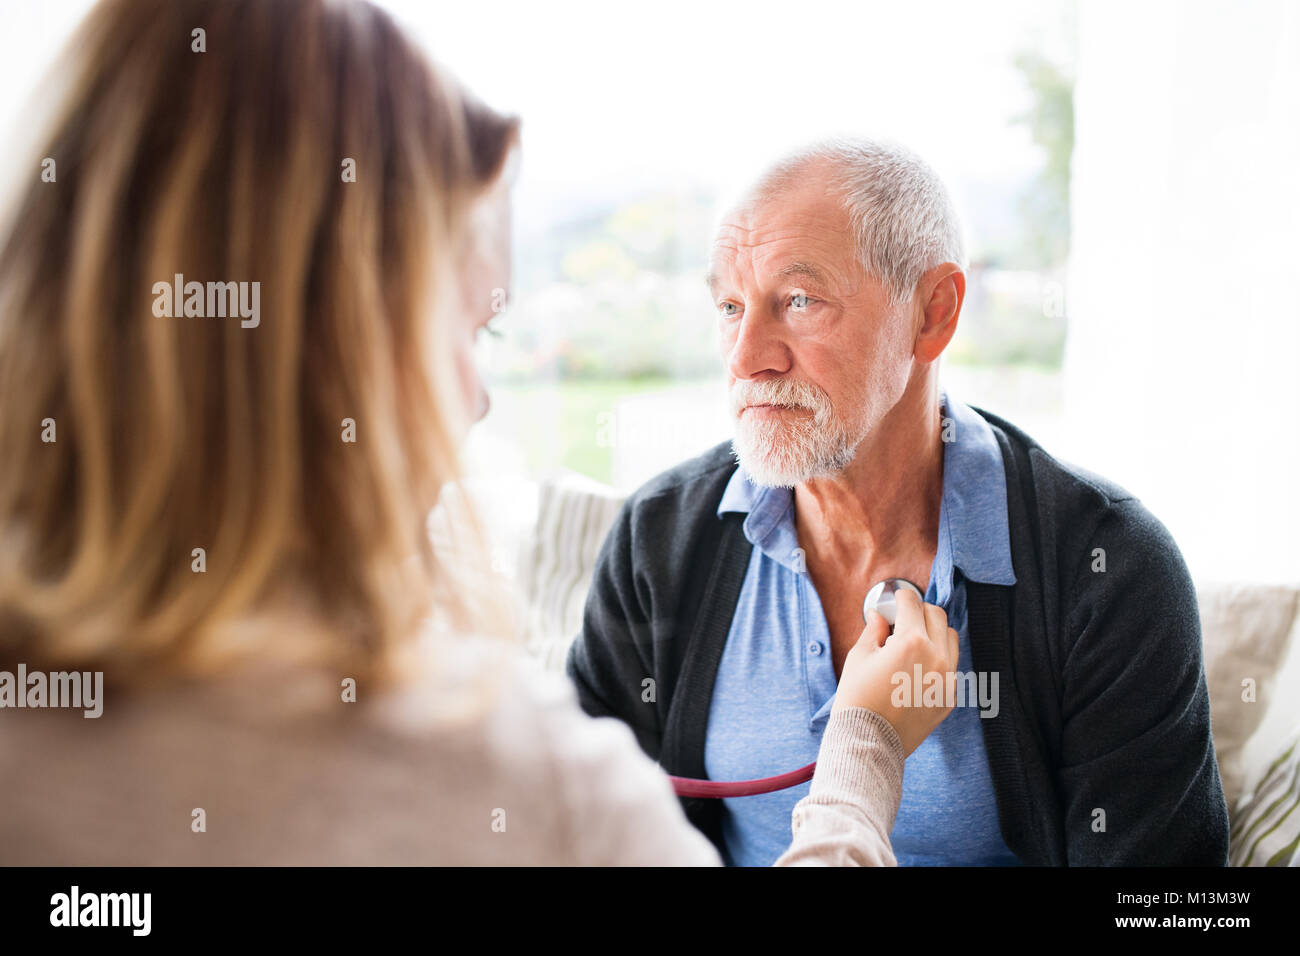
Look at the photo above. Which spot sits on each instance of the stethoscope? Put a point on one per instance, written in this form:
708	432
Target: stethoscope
881	599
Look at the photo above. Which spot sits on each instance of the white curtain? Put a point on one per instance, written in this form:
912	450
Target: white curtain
1184	287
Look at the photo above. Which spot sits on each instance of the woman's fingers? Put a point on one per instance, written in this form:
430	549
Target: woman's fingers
936	626
876	632
908	613
915	615
869	676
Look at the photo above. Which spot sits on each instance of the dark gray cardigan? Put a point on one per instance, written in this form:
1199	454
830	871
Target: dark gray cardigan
1101	752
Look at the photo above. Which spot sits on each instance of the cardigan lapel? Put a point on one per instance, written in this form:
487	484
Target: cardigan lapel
726	554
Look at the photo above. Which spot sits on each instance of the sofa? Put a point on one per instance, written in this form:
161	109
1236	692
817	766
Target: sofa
1251	637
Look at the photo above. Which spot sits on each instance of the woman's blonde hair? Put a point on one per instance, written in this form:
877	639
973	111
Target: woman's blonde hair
308	147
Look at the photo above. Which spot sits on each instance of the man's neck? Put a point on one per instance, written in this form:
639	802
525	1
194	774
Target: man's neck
880	517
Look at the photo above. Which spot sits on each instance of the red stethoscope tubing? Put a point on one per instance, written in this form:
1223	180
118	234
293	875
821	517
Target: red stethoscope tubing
690	787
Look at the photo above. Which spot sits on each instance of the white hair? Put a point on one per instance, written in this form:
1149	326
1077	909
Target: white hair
902	217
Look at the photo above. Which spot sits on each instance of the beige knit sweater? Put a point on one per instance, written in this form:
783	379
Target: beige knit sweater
483	760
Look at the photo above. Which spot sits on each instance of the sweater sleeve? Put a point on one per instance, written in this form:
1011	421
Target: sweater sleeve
1138	776
847	816
617	806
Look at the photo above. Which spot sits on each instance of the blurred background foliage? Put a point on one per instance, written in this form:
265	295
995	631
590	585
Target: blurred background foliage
610	304
618	293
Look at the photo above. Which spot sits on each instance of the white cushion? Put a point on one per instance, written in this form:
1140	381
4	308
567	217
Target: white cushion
1247	632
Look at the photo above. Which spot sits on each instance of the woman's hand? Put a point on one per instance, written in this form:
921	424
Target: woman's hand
921	636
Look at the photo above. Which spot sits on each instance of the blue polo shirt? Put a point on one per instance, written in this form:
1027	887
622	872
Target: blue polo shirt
776	682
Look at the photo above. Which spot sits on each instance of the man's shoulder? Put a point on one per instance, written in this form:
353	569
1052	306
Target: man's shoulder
1078	502
1055	475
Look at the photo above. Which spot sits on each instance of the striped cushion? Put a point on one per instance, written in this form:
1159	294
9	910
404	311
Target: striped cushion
556	562
1266	825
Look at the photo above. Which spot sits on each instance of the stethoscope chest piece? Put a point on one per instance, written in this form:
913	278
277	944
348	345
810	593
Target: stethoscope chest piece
881	598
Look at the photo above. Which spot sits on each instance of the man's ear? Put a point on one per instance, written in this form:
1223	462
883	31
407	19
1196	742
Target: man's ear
940	294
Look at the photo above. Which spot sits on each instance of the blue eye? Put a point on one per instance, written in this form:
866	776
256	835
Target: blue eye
728	305
799	301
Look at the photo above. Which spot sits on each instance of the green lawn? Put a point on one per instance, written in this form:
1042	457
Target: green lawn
557	424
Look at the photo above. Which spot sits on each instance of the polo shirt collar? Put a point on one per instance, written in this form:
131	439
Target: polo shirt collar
974	533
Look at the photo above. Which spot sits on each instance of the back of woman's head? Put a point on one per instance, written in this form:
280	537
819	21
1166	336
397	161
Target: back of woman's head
222	386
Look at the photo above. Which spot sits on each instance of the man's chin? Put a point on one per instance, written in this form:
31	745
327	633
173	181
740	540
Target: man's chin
782	460
770	469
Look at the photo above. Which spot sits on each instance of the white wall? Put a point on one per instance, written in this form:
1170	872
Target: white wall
1184	291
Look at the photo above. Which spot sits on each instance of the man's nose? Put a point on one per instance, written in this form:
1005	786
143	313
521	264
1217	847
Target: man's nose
758	346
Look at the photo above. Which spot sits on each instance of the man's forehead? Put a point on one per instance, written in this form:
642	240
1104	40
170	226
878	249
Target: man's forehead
816	256
809	268
794	224
785	216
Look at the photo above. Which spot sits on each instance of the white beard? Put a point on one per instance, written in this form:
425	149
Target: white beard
785	453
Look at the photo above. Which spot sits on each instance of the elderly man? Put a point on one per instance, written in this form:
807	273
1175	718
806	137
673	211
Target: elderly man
726	596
